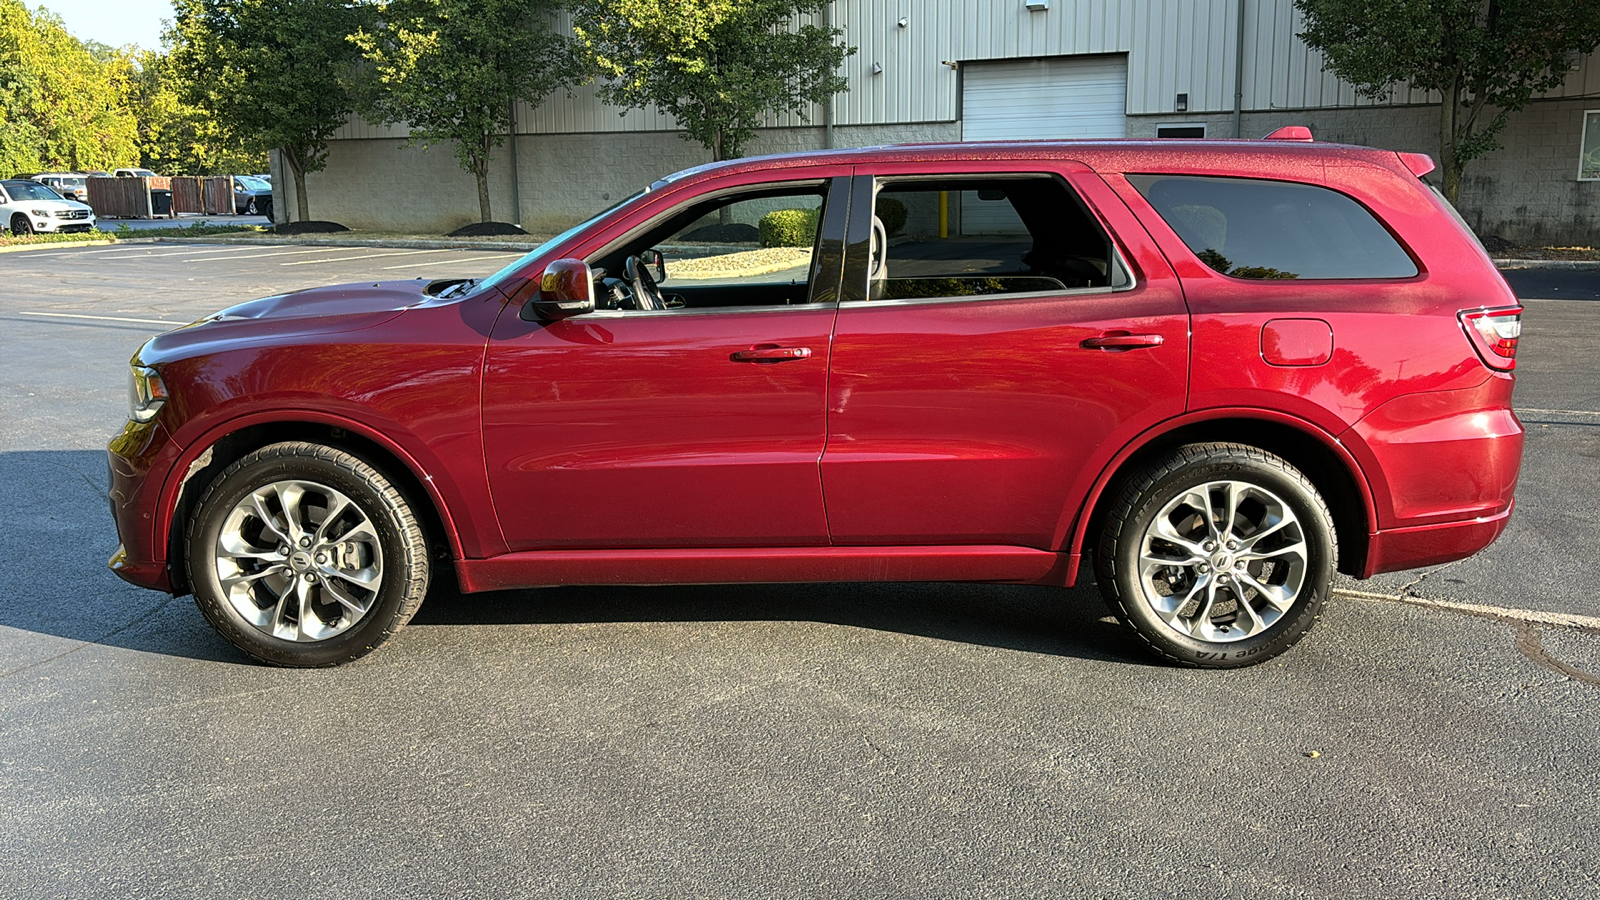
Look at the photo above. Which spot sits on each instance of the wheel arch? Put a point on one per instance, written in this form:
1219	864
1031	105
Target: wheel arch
209	457
1317	454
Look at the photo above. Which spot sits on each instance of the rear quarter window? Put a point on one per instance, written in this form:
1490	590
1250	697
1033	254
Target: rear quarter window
1254	228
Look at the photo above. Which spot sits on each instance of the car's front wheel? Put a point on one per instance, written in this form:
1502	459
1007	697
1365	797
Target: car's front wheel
305	555
20	225
1220	555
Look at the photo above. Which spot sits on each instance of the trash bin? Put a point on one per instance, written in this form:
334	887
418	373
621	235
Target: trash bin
160	203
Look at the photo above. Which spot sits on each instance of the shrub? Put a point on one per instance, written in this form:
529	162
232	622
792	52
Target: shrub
789	228
893	214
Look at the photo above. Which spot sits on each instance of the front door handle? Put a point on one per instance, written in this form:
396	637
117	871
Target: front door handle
1122	341
771	354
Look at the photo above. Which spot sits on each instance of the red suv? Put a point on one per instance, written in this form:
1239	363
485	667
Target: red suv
1220	370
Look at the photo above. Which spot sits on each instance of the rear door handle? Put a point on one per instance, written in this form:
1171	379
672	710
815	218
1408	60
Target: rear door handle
771	354
1122	341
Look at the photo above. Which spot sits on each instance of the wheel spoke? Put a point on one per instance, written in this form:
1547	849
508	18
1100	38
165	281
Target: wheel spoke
1230	512
1246	544
232	581
257	503
356	607
1279	596
339	503
368	578
1246	611
290	494
1170	534
1297	549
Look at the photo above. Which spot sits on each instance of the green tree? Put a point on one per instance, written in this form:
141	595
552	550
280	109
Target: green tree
452	70
179	138
60	105
719	67
270	73
1486	58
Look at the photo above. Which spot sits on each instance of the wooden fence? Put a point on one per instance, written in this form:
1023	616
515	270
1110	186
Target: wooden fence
120	198
210	195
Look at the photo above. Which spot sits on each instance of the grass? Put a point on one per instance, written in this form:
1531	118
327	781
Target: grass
7	239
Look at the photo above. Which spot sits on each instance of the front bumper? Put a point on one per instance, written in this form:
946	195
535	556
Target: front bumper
140	458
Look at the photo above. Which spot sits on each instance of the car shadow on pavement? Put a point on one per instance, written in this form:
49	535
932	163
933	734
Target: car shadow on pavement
1024	618
57	596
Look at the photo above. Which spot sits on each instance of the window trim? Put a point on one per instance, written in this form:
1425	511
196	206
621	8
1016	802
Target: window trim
831	192
1583	140
877	181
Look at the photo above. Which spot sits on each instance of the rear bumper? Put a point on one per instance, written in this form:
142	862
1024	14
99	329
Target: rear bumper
1430	545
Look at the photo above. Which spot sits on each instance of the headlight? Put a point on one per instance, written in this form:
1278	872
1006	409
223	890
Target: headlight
41	213
146	394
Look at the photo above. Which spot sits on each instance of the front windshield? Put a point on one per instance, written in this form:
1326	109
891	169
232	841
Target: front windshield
254	184
523	260
29	190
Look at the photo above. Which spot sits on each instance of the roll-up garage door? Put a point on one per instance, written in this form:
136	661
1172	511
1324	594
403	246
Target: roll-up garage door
1065	97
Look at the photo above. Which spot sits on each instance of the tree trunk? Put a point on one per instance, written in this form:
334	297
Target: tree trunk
480	171
298	169
1449	164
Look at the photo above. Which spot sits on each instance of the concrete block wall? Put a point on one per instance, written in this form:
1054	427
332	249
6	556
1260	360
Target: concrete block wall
385	185
1527	192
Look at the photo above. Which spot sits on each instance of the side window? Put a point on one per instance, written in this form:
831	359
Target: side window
1250	228
751	248
985	236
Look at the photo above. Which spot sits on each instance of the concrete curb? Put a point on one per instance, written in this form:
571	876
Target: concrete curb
1546	264
55	245
334	241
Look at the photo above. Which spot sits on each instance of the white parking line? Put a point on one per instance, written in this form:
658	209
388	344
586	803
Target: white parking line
308	262
202	258
442	262
56	315
1560	620
1583	413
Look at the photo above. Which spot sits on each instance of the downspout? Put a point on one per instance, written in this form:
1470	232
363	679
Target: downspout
516	193
827	108
1238	78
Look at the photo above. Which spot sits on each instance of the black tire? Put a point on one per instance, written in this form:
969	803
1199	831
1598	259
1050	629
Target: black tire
20	226
1254	593
357	573
250	208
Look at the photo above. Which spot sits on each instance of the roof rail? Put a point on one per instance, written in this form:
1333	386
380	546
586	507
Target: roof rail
1290	133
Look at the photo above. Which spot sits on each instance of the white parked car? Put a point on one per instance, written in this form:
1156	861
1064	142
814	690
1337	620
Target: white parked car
71	185
27	207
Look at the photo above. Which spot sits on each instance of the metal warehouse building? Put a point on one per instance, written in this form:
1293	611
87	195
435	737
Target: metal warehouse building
953	70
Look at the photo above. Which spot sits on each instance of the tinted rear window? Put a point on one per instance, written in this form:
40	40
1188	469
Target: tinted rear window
1249	228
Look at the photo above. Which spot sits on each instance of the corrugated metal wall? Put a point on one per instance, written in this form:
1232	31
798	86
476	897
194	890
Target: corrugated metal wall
1173	47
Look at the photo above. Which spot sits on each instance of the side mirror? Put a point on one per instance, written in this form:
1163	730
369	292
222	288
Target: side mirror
655	262
566	289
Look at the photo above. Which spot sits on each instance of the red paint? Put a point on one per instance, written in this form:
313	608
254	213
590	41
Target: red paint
964	440
1296	342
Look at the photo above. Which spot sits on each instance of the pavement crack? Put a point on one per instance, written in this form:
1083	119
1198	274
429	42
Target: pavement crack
1530	645
1409	587
99	641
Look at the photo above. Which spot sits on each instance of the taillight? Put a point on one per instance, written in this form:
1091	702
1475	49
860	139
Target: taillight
1494	332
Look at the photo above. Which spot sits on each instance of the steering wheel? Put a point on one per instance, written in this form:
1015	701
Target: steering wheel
646	293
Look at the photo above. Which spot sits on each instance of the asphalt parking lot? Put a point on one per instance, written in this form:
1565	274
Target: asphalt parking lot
1434	736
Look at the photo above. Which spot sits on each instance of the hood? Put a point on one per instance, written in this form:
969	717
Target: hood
337	300
289	317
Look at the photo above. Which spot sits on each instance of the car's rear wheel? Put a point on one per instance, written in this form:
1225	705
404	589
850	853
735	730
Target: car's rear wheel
20	225
1219	555
250	208
305	555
